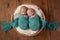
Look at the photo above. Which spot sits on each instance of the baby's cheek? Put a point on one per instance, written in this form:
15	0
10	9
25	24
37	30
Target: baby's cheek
29	14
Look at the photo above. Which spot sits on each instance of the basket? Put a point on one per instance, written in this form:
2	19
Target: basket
28	32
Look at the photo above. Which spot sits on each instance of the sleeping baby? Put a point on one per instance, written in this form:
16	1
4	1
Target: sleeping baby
23	18
34	19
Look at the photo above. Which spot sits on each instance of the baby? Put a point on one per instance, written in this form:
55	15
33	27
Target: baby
34	19
23	18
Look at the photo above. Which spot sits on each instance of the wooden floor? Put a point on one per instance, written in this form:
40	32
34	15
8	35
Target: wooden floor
51	9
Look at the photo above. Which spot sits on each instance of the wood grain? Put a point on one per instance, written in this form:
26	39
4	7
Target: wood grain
51	11
54	12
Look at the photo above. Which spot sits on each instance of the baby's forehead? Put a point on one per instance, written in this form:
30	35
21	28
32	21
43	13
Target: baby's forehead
24	7
30	9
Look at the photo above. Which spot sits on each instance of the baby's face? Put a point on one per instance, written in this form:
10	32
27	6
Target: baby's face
30	12
23	11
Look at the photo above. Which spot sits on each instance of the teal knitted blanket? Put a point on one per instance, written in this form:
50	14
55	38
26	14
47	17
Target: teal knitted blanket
23	24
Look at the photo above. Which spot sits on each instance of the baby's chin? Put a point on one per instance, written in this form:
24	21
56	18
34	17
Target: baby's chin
24	13
30	15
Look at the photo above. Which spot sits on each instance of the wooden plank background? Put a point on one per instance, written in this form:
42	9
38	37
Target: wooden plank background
51	9
54	12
